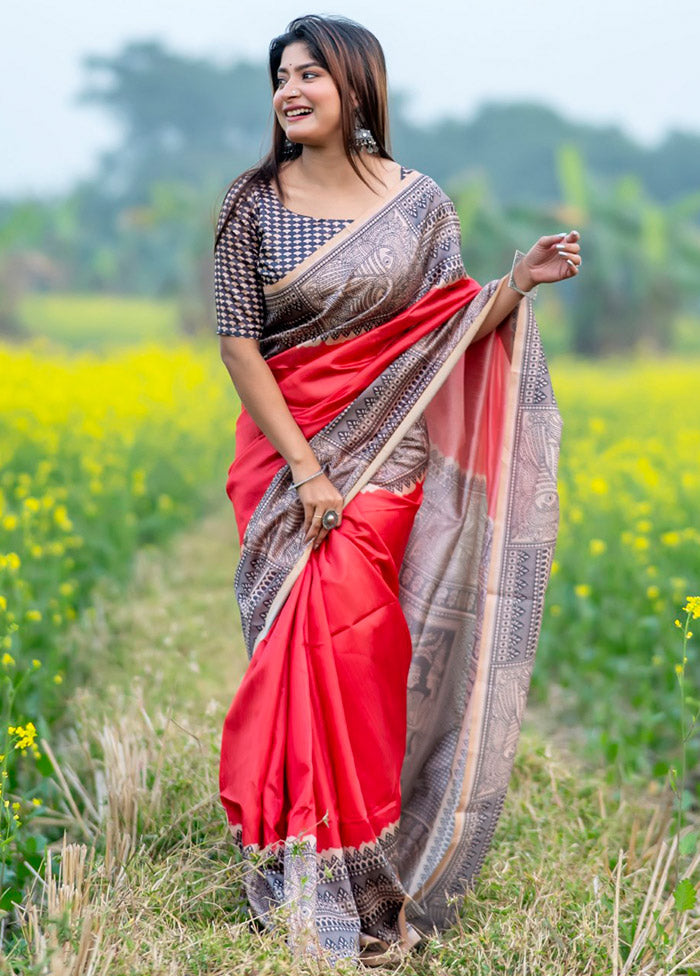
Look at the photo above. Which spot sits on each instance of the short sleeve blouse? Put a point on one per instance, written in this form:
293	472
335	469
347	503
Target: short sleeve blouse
238	290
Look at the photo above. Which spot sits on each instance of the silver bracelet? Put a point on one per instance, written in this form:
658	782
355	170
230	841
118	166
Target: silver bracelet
304	480
532	294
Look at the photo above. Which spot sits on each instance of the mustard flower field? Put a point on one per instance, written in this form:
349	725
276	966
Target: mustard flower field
627	557
99	457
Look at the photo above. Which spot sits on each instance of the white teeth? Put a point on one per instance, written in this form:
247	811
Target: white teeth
298	111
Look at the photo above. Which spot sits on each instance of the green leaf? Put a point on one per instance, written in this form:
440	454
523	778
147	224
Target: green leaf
685	895
44	766
8	897
688	843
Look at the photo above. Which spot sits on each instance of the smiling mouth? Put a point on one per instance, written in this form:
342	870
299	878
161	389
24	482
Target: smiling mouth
297	113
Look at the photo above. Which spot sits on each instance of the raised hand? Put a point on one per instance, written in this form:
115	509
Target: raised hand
551	258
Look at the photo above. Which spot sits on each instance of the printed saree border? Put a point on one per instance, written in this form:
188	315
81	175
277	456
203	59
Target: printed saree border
402	429
394	193
476	706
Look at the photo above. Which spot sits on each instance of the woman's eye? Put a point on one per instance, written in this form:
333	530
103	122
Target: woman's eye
306	74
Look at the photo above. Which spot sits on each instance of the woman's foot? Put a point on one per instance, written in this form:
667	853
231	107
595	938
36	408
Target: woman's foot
376	952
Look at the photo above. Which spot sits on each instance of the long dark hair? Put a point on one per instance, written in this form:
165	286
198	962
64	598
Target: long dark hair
354	58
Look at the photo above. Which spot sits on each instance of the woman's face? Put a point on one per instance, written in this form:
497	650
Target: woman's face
311	117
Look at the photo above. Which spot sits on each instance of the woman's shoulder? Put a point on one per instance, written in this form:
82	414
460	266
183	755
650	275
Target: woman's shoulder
242	197
427	187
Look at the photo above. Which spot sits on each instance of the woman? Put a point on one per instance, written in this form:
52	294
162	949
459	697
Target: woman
394	486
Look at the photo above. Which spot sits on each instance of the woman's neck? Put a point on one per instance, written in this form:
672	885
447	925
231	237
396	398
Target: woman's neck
328	169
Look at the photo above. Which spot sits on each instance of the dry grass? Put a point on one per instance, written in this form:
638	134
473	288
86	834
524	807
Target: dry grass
576	881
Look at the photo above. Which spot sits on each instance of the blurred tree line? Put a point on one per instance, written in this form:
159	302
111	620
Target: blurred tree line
144	222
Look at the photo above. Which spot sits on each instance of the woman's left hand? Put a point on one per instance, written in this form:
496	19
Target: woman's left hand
551	258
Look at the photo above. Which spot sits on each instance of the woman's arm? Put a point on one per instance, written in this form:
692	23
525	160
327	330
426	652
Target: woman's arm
552	258
262	398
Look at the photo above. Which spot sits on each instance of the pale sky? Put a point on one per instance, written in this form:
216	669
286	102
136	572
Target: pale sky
602	61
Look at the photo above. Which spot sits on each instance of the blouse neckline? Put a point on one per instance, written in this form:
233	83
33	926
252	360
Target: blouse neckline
326	220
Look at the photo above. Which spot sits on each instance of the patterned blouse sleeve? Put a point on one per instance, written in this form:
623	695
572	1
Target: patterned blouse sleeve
238	293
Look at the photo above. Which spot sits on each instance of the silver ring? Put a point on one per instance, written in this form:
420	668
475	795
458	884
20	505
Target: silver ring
317	516
330	519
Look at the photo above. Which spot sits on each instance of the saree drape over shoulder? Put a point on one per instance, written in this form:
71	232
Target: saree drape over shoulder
366	755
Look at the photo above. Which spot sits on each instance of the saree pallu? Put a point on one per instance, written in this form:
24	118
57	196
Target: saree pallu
366	756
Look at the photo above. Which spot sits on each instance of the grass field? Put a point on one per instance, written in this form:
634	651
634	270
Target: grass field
150	884
98	322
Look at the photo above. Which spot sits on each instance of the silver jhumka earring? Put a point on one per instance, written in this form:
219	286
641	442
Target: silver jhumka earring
288	148
364	139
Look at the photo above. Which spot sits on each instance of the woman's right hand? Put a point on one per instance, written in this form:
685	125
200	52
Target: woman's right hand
317	496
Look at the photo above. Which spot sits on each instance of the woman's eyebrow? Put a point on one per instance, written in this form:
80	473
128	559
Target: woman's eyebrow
300	67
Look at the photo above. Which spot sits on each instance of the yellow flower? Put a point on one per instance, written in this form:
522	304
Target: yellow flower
644	525
582	589
679	669
13	560
9	522
692	606
32	504
3	602
7	660
25	735
653	592
58	679
36	801
66	589
599	486
597	547
671	538
36	663
555	567
641	542
33	614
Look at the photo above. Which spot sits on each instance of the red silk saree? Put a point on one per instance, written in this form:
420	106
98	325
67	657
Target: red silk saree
366	756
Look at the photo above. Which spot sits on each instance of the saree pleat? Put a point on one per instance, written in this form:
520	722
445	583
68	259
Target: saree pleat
368	750
315	781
